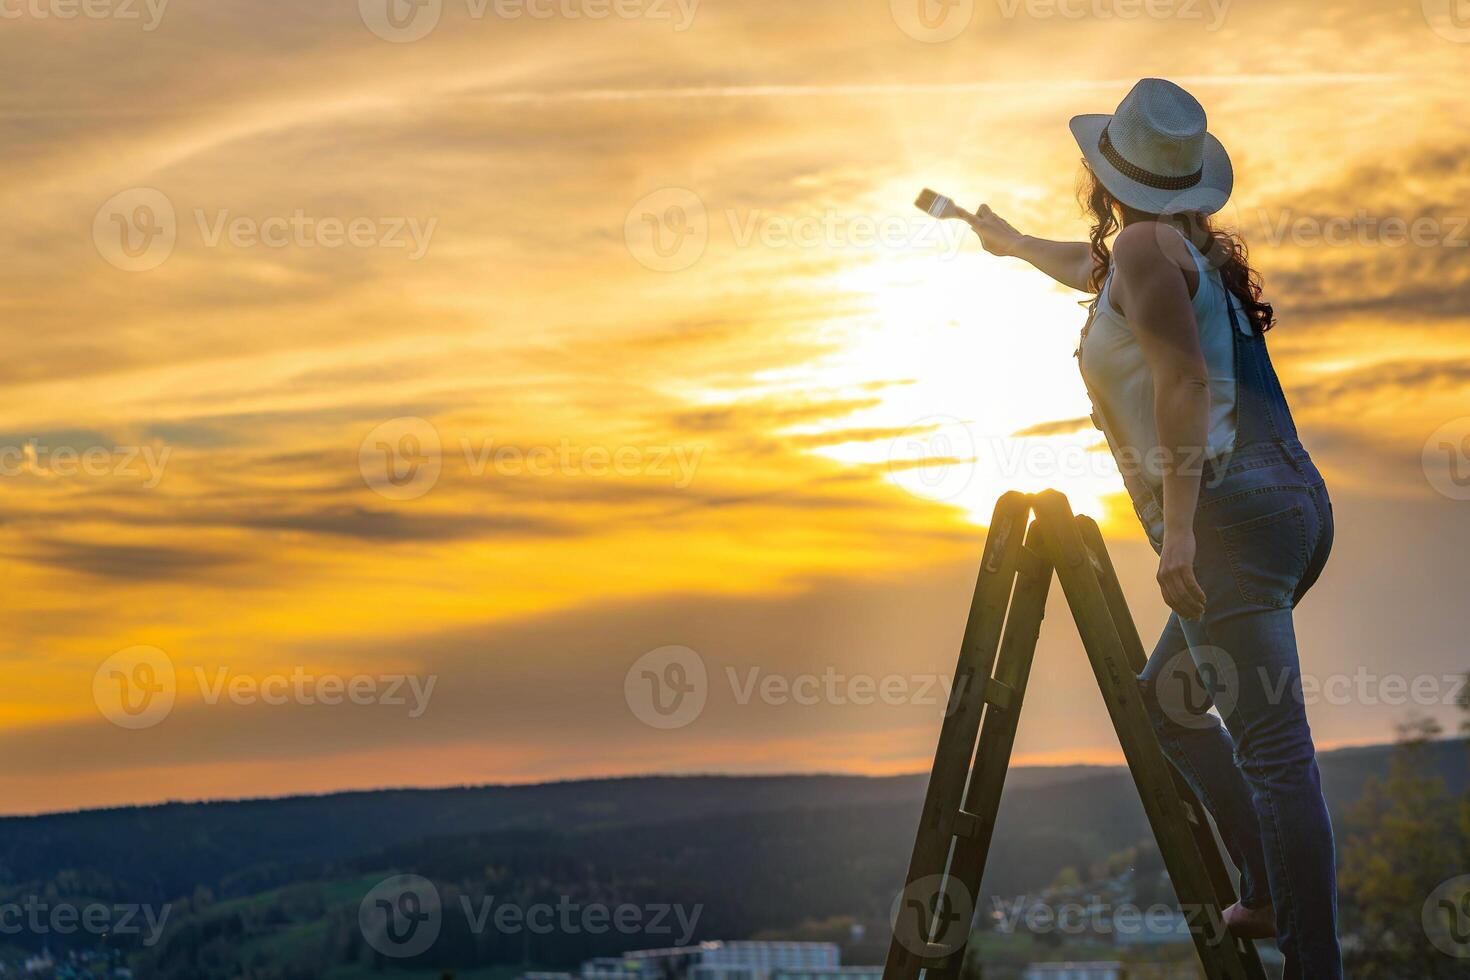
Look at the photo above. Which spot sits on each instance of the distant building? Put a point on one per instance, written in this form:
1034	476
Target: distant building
830	973
763	960
1075	971
740	960
614	968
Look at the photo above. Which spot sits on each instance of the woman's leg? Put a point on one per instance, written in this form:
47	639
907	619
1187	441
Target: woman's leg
1273	746
1251	572
1194	741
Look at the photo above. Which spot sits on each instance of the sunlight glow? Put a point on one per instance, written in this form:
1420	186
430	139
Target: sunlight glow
984	348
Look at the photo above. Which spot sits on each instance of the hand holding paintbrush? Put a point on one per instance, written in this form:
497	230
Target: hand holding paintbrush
1069	263
996	234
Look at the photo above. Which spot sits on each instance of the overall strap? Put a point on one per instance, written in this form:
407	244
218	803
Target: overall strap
1261	412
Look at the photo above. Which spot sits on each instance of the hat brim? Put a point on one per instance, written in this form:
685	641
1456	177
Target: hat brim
1216	181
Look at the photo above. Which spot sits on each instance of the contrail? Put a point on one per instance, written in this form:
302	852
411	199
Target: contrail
904	88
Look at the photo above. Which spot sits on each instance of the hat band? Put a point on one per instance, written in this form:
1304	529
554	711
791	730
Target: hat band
1161	181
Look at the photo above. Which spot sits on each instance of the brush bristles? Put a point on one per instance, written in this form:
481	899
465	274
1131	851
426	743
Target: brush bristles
934	204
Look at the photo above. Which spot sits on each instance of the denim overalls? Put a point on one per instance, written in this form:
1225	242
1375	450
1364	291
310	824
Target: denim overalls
1263	530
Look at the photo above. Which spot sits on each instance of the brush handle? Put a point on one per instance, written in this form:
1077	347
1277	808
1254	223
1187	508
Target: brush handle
966	217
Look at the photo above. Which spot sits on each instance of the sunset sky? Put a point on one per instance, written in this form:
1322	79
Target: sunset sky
700	374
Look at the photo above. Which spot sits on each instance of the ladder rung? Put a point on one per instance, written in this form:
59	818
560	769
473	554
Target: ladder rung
967	824
1032	564
1001	695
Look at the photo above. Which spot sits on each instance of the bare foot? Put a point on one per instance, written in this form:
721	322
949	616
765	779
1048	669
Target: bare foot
1250	923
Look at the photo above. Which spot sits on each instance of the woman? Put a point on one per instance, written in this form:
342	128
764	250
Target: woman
1176	365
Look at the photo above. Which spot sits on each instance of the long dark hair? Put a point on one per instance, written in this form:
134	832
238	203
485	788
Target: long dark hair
1224	250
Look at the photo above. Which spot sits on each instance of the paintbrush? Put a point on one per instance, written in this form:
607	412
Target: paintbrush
939	206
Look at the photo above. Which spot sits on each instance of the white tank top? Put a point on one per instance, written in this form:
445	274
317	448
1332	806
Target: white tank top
1116	372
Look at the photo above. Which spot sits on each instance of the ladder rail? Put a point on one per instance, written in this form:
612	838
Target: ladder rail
998	733
1209	847
922	903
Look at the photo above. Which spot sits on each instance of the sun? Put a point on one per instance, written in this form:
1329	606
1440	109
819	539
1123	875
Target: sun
977	350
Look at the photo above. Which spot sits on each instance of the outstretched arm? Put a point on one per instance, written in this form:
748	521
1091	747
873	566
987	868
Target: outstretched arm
1069	263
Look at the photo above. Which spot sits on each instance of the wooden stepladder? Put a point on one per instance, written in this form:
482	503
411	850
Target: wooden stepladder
934	913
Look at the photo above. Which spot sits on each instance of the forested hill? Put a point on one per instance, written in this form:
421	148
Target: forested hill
155	853
280	880
165	851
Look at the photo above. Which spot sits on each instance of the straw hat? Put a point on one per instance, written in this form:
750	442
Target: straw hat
1154	153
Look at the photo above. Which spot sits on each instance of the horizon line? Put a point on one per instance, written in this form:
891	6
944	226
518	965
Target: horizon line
1081	760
